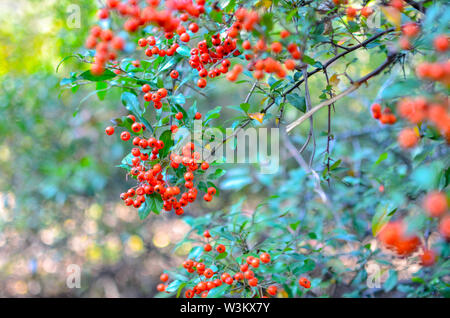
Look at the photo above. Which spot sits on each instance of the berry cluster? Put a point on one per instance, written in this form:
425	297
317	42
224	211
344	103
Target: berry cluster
394	235
385	116
154	97
418	110
152	176
208	278
106	45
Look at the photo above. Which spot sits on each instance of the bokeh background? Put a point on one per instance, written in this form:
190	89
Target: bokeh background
59	187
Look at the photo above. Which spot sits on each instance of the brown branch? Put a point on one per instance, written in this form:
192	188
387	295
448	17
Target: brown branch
416	5
391	58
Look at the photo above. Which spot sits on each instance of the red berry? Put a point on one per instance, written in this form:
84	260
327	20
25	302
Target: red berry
185	37
428	258
441	43
142	42
109	130
272	290
265	257
201	82
304	282
161	287
164	277
211	191
179	116
193	27
253	282
255	263
125	136
220	248
136	127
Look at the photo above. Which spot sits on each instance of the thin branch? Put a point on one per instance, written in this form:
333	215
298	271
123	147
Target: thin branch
416	5
308	107
354	87
313	174
329	126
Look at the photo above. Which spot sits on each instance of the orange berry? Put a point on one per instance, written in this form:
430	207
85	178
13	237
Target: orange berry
290	64
161	287
246	45
408	138
404	43
304	282
435	203
276	47
444	227
265	257
207	247
411	29
428	257
185	37
397	4
284	34
220	248
351	13
164	277
253	282
366	12
109	130
201	82
441	43
272	290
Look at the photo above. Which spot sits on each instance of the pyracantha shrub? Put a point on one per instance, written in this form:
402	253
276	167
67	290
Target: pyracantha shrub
162	53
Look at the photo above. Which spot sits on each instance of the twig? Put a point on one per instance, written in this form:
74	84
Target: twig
354	87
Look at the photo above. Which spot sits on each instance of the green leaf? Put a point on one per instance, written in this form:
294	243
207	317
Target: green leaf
131	103
101	90
398	89
166	137
175	285
381	217
390	283
107	74
156	203
297	101
213	113
144	210
245	107
217	174
218	291
381	158
221	256
184	50
195	252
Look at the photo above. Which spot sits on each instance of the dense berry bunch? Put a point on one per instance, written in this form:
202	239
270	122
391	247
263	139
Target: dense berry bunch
152	176
395	236
385	116
205	275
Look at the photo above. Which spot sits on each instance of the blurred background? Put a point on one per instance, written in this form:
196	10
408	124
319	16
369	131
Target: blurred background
59	187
